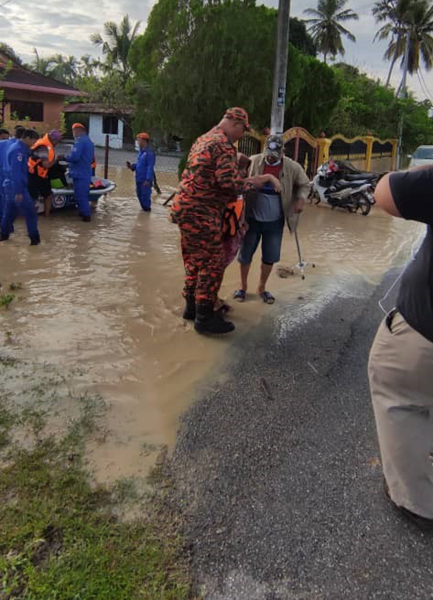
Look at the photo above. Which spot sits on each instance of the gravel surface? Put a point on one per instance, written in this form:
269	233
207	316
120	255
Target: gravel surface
278	468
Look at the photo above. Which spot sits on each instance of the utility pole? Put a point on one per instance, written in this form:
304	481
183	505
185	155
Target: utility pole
402	93
280	72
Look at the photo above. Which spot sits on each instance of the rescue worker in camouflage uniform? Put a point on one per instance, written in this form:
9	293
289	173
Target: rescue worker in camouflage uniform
210	180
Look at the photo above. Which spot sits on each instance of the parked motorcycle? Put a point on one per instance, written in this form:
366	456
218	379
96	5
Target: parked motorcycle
351	191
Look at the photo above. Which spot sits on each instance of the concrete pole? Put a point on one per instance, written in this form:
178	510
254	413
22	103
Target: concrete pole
402	93
280	72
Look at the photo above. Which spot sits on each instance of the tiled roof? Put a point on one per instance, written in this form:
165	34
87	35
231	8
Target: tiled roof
97	109
20	78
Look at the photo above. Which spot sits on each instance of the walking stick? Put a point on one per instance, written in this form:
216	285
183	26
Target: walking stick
301	264
169	198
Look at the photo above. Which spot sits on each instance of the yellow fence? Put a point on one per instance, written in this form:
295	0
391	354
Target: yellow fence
253	143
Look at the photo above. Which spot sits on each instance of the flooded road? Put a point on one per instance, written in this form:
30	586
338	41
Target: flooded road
105	298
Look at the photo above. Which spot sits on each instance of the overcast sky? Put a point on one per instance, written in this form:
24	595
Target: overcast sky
59	26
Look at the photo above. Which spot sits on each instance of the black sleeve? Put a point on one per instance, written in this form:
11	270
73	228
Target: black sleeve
412	192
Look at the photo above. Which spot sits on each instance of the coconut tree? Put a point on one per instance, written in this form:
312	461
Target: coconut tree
88	66
41	65
326	26
117	43
402	18
64	68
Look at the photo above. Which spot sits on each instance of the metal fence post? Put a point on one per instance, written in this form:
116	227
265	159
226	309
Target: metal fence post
107	153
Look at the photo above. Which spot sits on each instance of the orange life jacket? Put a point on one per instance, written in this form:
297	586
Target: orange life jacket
233	216
35	164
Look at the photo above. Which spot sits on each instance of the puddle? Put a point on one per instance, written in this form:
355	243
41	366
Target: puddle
104	298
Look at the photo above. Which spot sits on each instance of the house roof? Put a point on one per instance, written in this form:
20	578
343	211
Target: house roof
97	109
19	78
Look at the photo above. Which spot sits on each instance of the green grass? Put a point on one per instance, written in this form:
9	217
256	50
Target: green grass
59	536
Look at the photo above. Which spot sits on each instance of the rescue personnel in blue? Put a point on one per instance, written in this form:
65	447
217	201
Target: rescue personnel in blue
144	170
4	145
80	169
17	196
4	137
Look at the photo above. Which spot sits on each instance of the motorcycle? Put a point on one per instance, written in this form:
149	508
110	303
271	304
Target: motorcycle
340	188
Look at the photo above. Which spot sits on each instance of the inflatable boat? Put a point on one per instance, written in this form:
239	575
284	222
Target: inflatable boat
64	197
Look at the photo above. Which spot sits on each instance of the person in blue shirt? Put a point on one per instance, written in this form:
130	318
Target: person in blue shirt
5	143
4	138
144	170
17	197
80	168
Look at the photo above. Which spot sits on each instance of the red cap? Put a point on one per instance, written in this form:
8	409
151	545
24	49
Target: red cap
78	126
142	136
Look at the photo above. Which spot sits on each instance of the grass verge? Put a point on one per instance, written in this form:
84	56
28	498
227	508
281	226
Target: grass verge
60	538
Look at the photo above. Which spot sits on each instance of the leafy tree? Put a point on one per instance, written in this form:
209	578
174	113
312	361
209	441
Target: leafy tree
326	28
64	68
192	63
368	106
401	18
117	44
10	53
300	38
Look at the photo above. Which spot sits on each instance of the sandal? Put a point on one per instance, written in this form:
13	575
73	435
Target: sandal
240	295
267	297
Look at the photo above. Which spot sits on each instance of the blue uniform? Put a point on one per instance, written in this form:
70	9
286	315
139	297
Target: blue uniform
16	183
144	173
4	145
80	168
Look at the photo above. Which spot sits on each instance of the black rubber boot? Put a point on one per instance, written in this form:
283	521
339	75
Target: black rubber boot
35	240
209	321
86	218
189	312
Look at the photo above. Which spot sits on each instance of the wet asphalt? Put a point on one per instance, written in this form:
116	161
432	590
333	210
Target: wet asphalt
278	469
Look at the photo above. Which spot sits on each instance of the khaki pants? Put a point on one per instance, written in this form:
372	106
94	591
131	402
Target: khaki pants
401	382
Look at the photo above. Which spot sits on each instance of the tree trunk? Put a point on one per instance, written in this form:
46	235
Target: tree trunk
391	68
325	55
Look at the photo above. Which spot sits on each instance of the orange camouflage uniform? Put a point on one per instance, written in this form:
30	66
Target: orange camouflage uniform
210	180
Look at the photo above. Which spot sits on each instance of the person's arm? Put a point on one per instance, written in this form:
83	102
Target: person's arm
76	153
42	153
150	168
229	177
18	164
407	194
258	181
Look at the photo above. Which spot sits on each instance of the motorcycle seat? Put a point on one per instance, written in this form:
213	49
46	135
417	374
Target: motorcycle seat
340	185
358	176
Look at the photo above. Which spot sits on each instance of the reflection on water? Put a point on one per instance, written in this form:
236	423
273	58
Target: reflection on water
105	297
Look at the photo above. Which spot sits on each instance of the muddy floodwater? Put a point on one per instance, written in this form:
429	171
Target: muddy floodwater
105	298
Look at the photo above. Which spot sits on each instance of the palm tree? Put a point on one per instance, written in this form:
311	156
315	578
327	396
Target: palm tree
64	68
41	65
325	26
88	66
402	18
117	44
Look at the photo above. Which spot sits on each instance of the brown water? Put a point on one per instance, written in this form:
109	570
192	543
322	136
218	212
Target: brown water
105	298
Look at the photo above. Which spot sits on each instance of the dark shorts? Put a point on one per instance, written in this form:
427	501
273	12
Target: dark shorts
271	236
39	187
